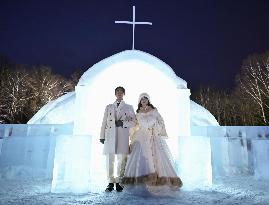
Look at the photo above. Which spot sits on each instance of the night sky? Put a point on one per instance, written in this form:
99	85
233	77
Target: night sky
204	42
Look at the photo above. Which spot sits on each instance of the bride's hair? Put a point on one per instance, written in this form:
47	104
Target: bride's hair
140	105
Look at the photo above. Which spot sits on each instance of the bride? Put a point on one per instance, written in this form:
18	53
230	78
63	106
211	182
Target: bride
150	161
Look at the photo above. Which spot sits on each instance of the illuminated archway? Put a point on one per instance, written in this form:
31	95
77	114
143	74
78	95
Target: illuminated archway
137	72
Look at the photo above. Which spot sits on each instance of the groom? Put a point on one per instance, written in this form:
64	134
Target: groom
117	120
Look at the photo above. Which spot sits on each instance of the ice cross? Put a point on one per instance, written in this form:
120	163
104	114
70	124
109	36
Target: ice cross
133	23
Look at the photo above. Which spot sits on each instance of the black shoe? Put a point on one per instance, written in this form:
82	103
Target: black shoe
119	188
110	187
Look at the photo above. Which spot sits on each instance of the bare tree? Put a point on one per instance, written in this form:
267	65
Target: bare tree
24	91
75	78
45	86
13	94
254	82
211	99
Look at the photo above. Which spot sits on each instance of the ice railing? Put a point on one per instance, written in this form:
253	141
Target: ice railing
29	150
237	150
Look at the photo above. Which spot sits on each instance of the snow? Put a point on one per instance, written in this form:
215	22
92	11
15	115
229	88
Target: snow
130	55
226	190
224	165
74	162
25	179
137	72
95	89
59	111
201	116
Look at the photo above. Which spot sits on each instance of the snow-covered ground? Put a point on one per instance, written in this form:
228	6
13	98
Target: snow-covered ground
228	190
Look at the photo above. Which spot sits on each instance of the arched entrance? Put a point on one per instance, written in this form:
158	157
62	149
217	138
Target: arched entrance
137	72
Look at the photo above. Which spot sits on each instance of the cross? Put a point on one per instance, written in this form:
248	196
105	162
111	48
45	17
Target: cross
133	23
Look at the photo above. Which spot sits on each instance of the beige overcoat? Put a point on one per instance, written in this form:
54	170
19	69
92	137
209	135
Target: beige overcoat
117	138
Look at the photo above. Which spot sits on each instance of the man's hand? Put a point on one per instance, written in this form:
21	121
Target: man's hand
119	123
102	141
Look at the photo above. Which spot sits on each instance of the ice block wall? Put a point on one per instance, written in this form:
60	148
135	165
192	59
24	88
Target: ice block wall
28	150
240	150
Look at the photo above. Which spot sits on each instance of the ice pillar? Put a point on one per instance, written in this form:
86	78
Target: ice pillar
194	152
72	163
183	112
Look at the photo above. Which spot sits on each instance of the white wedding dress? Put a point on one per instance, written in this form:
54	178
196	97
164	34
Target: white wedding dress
150	162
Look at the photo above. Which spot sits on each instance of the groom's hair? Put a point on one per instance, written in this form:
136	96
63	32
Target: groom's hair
119	88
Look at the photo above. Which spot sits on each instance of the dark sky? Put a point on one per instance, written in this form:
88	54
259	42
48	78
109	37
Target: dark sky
204	42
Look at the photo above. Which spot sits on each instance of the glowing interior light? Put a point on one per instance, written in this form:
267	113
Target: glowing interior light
137	72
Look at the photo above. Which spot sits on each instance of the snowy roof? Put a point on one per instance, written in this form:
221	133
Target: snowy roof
131	55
